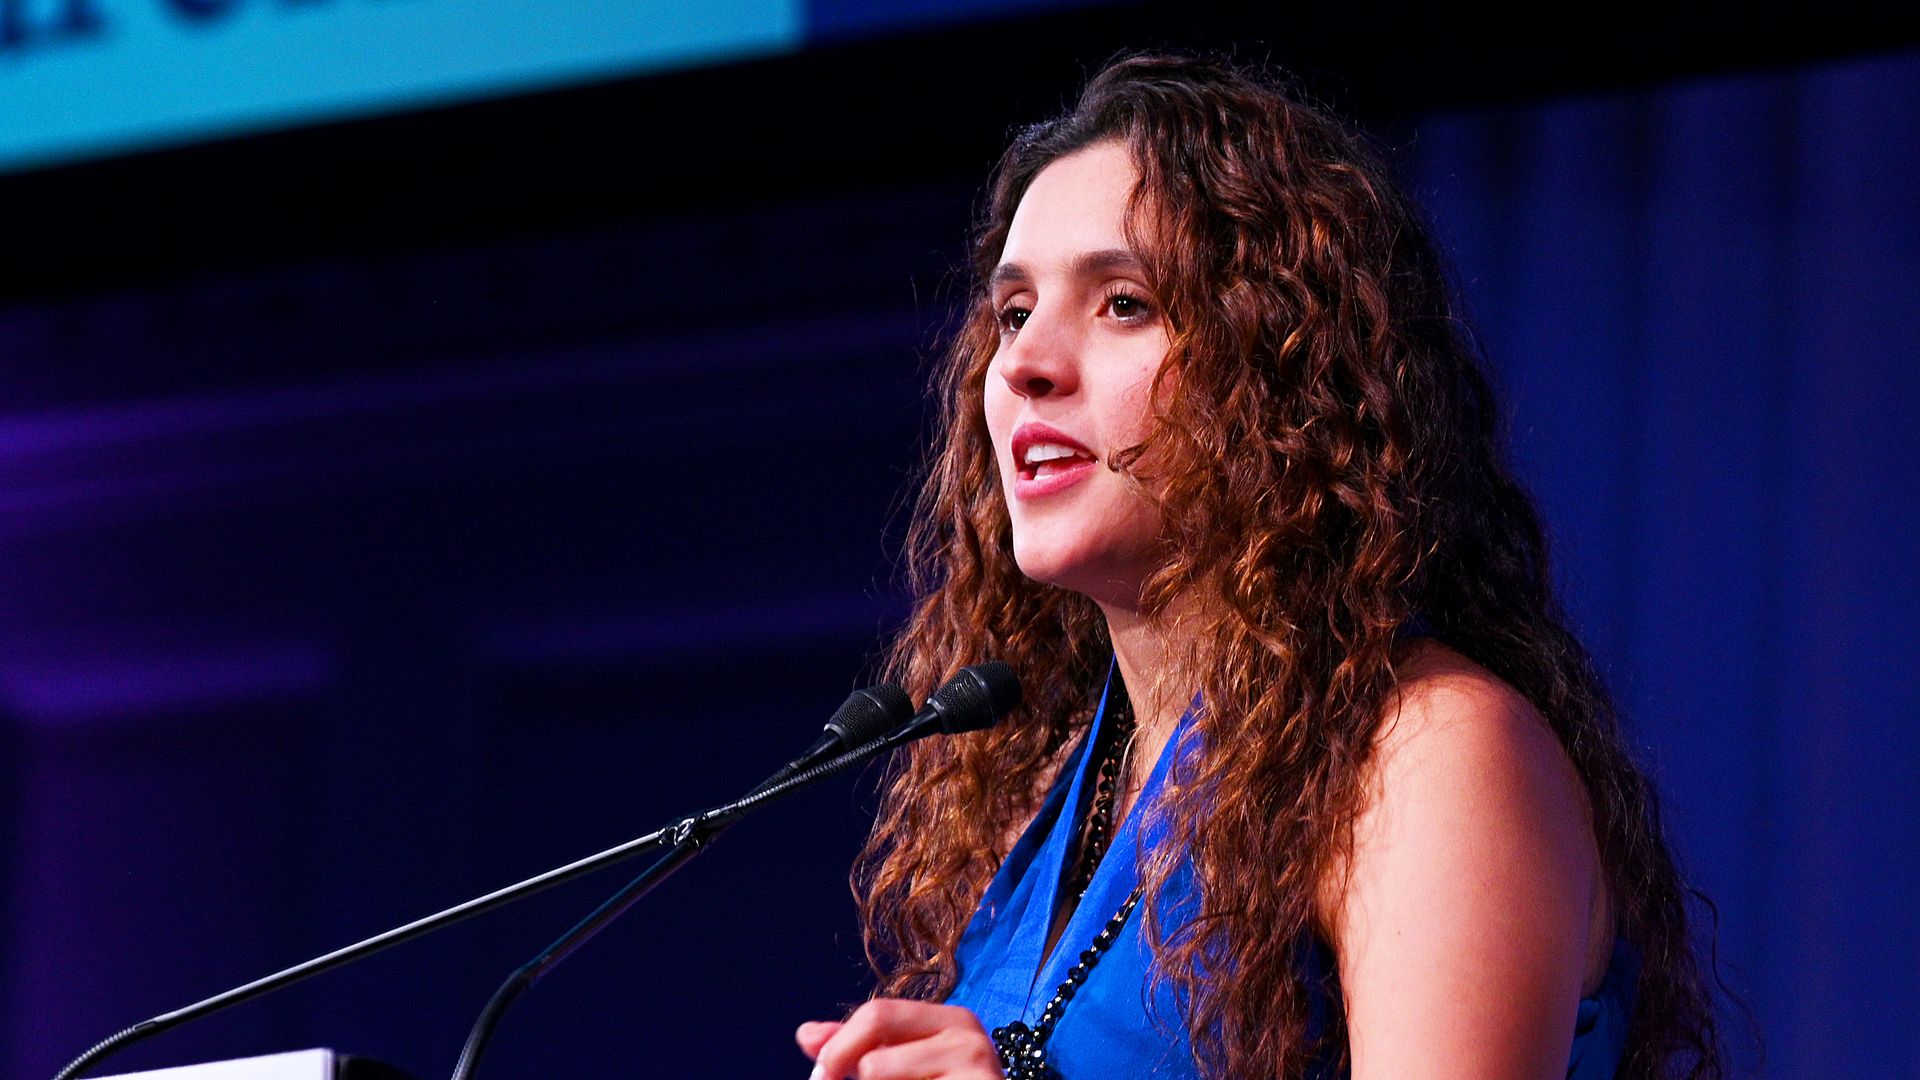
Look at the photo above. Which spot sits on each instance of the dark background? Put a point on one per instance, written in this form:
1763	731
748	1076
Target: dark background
394	509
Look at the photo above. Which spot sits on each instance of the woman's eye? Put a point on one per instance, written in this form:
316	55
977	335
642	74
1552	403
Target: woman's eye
1125	306
1012	318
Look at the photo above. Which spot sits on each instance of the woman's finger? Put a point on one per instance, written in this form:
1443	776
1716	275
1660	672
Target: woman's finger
884	1022
950	1054
814	1034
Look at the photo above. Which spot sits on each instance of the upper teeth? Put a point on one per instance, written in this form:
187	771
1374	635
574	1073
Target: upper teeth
1040	452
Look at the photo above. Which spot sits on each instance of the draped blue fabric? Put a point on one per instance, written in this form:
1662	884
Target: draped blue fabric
1118	1025
1106	1030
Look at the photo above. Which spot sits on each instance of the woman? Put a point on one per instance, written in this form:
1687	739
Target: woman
1219	457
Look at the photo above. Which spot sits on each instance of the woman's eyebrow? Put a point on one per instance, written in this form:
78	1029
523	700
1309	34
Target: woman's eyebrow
1008	273
1107	261
1086	264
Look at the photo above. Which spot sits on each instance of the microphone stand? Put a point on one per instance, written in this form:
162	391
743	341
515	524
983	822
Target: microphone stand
686	837
701	830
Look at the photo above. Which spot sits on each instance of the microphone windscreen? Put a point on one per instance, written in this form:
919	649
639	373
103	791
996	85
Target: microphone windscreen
869	713
977	697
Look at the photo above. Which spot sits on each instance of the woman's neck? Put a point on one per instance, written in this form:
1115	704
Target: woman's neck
1152	657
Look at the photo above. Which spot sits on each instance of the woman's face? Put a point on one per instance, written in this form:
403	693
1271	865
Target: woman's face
1068	388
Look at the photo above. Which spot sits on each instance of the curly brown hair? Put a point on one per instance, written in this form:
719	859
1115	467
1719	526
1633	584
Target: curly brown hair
1328	459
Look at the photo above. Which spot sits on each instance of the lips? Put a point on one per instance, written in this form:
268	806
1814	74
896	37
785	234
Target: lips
1046	460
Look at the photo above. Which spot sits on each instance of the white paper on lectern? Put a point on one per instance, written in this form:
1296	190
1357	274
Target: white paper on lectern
298	1065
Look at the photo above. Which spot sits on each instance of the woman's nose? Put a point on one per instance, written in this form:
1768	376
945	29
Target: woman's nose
1043	359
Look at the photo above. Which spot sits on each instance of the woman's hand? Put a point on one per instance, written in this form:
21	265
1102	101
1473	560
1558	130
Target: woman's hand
895	1039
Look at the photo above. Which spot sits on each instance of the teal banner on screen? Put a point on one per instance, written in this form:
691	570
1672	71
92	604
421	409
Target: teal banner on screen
87	78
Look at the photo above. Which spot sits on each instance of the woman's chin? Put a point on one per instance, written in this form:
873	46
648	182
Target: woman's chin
1049	565
1073	571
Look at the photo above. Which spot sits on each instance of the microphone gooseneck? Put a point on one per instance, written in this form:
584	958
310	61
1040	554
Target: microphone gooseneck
977	697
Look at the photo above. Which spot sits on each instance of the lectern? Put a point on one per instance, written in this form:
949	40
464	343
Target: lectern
298	1065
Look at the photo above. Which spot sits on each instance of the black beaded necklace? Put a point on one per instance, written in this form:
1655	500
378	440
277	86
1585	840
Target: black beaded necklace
1106	792
1023	1049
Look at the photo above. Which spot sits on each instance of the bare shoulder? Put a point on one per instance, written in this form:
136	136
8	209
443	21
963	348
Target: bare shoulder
1473	880
1453	720
1463	758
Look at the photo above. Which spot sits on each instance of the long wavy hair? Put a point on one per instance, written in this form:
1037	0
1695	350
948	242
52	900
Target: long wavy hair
1327	455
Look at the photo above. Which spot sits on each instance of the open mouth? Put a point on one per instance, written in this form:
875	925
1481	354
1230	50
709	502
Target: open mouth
1042	460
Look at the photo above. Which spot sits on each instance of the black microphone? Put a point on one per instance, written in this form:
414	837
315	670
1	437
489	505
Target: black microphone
867	714
978	696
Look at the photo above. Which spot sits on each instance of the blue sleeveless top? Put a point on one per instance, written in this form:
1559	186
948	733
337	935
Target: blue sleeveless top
1113	1028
